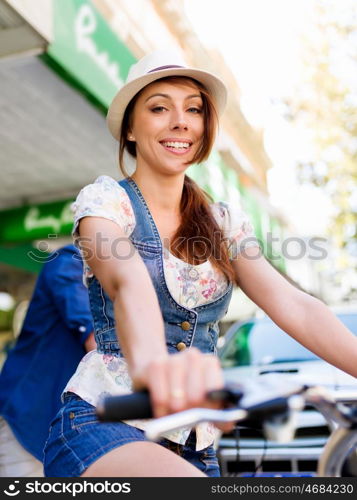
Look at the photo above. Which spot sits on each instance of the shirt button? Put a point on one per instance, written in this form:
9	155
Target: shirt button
71	415
185	325
181	346
82	328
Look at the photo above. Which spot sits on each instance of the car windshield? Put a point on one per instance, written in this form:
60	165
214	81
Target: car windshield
263	342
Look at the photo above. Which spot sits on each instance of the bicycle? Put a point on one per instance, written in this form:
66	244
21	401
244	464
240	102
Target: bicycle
271	406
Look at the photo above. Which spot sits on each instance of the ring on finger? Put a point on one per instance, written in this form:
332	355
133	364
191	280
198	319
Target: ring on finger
177	393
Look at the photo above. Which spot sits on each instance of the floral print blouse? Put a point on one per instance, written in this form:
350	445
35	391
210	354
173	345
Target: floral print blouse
99	375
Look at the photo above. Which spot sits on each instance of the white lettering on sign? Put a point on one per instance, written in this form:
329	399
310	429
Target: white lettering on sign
33	220
85	26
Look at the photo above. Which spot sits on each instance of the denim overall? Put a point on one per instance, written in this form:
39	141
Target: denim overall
76	437
183	327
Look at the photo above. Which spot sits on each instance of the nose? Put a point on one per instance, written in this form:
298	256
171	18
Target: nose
178	120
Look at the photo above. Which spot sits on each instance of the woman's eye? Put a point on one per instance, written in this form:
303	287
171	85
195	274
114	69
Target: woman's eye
157	109
195	110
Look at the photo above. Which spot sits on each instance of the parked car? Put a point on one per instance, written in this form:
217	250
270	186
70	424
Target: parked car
254	349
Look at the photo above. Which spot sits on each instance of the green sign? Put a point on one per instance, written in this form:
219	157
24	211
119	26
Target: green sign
88	49
23	256
36	222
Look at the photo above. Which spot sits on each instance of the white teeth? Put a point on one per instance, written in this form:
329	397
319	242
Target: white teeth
176	144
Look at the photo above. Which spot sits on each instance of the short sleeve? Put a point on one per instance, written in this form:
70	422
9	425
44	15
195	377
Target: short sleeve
104	198
236	226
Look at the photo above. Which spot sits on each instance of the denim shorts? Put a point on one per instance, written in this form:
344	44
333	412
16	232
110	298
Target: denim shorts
77	439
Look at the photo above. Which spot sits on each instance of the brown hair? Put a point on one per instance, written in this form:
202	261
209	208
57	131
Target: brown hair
198	238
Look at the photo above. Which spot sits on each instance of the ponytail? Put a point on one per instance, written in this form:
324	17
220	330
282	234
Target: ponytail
199	238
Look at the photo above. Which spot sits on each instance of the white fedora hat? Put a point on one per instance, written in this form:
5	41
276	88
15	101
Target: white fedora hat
154	66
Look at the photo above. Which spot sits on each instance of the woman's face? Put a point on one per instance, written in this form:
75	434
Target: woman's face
167	125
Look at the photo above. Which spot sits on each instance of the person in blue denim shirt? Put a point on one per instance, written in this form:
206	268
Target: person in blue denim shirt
57	331
161	261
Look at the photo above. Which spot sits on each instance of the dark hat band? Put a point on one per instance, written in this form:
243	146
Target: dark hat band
164	67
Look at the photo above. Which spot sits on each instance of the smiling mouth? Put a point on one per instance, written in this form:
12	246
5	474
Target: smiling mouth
178	147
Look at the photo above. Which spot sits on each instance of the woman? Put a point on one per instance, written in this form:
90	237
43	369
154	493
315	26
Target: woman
161	260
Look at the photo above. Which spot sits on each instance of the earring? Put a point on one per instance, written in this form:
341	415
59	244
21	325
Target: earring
131	138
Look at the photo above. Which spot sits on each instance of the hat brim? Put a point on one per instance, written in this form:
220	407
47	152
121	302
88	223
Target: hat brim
214	86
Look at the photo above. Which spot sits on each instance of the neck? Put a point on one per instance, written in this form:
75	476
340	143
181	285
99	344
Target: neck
162	194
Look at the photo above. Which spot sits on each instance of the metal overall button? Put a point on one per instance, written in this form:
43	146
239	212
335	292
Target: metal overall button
181	346
185	325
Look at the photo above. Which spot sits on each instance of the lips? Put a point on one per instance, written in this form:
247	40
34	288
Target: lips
176	146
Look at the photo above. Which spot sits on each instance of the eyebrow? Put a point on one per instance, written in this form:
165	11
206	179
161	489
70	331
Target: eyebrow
166	96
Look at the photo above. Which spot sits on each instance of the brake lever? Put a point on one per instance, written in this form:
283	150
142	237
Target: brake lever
229	395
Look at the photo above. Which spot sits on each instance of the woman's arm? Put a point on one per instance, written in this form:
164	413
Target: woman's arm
175	382
305	318
123	275
90	343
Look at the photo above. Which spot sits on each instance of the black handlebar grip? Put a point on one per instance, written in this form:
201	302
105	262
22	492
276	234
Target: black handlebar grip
265	409
137	405
130	406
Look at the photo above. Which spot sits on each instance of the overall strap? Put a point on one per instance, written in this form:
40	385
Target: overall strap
145	231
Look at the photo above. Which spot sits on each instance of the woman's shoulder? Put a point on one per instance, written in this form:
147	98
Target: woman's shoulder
105	197
102	190
234	222
103	183
228	214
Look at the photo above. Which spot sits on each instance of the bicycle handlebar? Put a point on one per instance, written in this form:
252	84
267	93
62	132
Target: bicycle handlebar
137	405
131	406
235	400
254	404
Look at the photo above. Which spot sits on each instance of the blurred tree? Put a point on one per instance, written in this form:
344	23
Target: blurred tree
325	104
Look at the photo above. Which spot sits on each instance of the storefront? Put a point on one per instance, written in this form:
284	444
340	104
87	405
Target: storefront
54	140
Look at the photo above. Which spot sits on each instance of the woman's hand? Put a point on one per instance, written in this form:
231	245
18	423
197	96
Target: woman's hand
180	381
